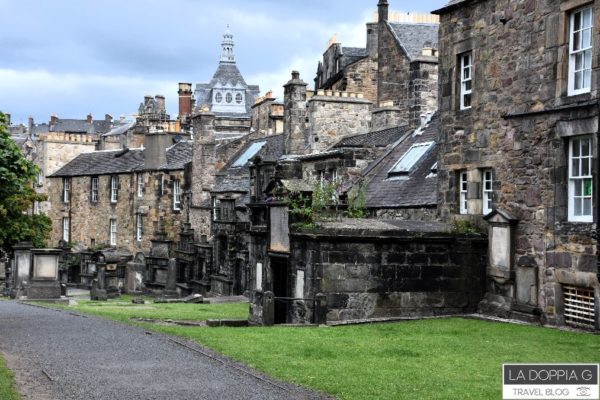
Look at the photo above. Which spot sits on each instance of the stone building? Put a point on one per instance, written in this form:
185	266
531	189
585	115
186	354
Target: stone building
267	115
227	95
518	98
407	69
119	198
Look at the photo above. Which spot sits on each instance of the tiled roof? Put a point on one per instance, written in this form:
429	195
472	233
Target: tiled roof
74	126
413	37
419	188
373	139
123	161
237	179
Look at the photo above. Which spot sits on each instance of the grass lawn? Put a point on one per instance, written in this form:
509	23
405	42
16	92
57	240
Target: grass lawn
7	384
450	358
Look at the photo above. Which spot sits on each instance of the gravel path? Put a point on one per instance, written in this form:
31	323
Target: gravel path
57	355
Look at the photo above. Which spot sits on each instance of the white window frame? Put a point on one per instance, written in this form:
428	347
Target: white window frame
466	77
462	198
579	176
114	189
66	229
40	178
138	227
66	189
176	195
94	189
140	185
112	232
487	176
585	50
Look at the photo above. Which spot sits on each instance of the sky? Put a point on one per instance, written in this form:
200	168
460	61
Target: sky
75	57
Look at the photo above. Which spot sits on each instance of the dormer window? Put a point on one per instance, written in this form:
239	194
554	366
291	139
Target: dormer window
407	162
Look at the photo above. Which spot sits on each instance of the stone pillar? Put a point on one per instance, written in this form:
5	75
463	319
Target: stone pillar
171	284
203	157
294	115
268	309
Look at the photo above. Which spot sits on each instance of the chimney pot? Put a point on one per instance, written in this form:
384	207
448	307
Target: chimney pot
295	75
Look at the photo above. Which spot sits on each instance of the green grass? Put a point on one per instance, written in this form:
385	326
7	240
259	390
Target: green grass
7	384
450	358
122	309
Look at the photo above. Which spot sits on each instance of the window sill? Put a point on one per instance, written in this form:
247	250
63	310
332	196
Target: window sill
572	99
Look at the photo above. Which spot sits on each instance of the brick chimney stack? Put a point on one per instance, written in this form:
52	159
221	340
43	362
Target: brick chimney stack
89	118
185	100
53	119
294	115
204	157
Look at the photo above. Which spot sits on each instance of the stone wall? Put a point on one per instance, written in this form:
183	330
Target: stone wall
333	115
519	126
358	77
386	274
90	221
413	214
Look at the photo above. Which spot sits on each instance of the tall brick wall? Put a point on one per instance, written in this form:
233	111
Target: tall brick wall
519	125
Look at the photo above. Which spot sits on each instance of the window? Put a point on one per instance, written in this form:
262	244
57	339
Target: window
228	97
140	185
66	194
138	227
466	80
218	97
248	154
239	98
176	195
409	159
113	232
580	51
66	231
487	191
580	179
40	178
216	205
94	189
114	189
463	203
579	306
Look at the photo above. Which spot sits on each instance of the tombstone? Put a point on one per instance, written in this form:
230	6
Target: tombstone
320	309
44	284
171	284
21	267
98	291
268	309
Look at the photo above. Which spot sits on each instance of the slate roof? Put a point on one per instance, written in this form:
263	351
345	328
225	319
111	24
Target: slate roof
413	37
123	161
74	126
352	55
373	139
237	179
417	189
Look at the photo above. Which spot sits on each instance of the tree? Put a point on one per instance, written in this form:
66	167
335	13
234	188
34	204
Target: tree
17	196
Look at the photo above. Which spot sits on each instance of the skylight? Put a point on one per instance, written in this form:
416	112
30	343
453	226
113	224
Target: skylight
248	154
409	159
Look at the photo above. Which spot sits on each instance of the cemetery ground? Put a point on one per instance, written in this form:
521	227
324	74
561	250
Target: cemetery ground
444	358
7	384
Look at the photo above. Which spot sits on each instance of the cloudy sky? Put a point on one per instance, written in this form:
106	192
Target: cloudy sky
74	57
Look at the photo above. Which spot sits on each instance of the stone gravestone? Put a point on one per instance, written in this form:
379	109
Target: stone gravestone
98	291
44	283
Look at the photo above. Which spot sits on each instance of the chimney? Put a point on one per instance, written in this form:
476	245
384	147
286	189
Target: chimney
160	103
53	119
155	149
382	9
30	124
204	157
89	118
107	119
294	116
185	99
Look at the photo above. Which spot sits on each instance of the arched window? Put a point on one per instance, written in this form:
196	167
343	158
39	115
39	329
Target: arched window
228	97
218	97
238	98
